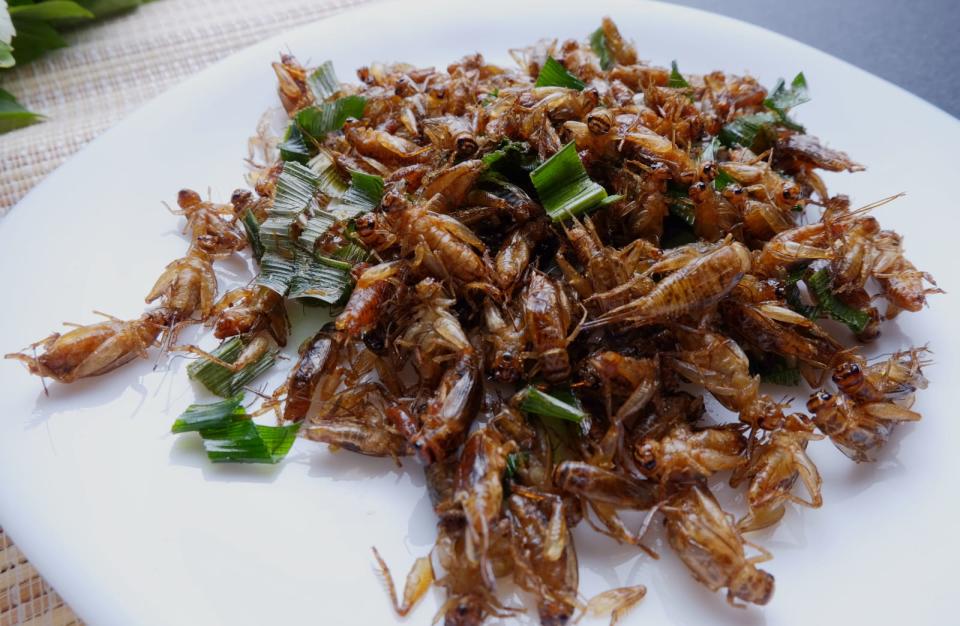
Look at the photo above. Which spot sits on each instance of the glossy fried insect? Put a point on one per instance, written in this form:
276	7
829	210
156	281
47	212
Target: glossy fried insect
479	491
858	430
95	349
709	544
547	316
771	472
187	286
685	454
547	351
318	358
545	560
704	281
212	227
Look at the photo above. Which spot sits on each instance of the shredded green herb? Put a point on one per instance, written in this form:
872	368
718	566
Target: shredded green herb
364	195
318	120
323	82
819	284
553	74
294	147
220	380
756	131
532	400
598	43
252	228
676	79
784	98
722	180
231	436
564	187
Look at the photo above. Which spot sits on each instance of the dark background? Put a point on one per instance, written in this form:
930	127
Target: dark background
912	43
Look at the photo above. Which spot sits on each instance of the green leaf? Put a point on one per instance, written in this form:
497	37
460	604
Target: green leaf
294	194
364	195
775	370
532	400
231	436
598	42
221	381
252	227
819	284
6	55
323	83
33	39
756	129
552	74
511	156
329	181
294	147
106	8
50	10
318	120
276	272
563	186
784	98
200	416
676	80
316	279
13	115
722	180
680	205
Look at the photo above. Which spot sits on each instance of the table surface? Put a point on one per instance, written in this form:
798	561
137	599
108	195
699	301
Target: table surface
911	44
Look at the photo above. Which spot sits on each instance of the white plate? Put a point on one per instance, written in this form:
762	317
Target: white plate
134	527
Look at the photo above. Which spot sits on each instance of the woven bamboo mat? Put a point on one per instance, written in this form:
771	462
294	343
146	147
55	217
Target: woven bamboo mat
110	69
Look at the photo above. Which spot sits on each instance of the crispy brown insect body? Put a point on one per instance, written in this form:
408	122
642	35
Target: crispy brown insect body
547	318
707	541
701	283
95	349
318	357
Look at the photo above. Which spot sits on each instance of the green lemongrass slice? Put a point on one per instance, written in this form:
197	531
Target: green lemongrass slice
327	278
722	180
314	228
819	284
552	74
221	381
598	43
676	79
532	400
787	377
200	416
323	82
318	120
276	272
252	228
294	147
295	190
564	187
319	281
231	436
749	130
364	195
329	181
